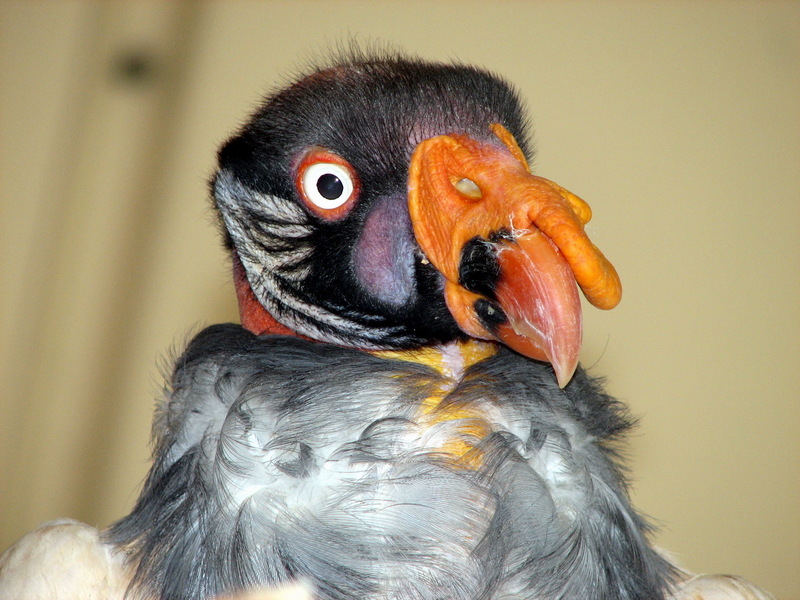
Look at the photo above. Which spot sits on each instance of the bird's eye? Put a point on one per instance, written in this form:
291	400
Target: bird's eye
327	184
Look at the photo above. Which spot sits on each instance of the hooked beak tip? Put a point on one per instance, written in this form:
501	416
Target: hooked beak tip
564	371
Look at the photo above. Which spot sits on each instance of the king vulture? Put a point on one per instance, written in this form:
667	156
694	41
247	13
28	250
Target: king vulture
401	414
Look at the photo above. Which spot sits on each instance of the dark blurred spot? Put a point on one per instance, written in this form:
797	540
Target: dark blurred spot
135	68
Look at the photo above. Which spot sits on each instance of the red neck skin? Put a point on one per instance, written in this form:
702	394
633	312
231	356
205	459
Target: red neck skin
254	317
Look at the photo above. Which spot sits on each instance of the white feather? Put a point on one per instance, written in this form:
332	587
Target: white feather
62	560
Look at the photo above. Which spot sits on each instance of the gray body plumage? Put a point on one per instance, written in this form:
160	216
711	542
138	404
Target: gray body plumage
281	459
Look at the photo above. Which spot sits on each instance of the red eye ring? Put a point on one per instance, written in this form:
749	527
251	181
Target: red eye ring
327	184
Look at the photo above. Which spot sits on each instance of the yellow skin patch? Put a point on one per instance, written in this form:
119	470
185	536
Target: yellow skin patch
451	361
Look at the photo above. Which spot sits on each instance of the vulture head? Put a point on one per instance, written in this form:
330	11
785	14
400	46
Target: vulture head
387	204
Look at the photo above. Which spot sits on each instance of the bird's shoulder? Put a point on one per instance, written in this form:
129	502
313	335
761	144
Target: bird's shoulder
63	560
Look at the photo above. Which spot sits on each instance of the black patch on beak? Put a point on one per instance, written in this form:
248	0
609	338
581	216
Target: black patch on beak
478	270
490	314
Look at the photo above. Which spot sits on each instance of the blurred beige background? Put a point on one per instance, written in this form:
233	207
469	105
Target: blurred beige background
679	122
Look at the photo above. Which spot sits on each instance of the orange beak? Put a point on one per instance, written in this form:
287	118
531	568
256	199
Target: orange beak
510	245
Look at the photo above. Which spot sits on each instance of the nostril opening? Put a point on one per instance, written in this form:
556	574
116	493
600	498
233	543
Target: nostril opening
467	187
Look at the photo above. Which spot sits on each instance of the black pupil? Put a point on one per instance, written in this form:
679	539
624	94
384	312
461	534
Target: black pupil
330	186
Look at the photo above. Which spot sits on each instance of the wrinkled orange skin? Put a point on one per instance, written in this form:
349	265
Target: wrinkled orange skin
513	198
